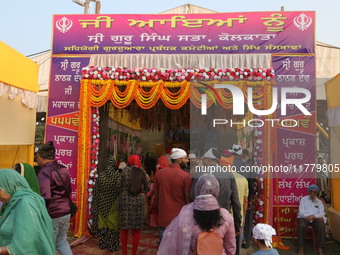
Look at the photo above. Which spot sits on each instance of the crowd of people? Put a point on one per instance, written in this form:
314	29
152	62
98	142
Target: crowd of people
194	212
180	203
35	213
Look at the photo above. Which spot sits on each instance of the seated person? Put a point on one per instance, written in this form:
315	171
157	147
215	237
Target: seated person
262	236
311	213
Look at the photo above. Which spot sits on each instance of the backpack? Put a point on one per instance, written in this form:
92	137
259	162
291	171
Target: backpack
208	243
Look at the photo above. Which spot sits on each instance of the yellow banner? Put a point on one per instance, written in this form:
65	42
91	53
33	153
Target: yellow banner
17	70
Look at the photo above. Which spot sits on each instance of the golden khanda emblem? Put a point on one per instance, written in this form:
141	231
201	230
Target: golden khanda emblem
303	22
64	25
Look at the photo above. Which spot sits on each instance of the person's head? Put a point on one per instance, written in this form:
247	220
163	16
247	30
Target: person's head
192	159
24	169
320	160
134	160
262	235
11	182
313	191
211	157
180	157
227	153
236	150
245	155
136	181
4	196
206	208
19	167
45	153
207	184
110	164
162	162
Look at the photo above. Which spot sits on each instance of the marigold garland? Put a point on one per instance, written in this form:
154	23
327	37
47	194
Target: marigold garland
121	93
84	133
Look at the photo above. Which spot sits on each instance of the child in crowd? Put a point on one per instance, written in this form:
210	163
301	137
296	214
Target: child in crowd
262	235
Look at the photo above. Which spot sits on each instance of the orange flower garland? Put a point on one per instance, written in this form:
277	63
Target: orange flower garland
147	93
84	145
100	91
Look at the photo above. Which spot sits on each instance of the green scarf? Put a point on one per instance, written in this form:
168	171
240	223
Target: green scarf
25	227
31	178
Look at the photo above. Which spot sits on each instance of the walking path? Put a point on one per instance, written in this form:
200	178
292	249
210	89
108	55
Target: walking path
149	240
148	245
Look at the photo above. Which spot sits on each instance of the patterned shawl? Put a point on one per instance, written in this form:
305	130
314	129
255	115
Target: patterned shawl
106	191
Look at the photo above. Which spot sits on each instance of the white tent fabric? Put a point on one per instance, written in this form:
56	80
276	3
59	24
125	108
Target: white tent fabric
333	117
28	98
188	8
327	66
181	60
44	62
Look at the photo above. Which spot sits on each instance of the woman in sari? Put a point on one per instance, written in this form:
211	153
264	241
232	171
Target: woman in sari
25	226
28	172
202	215
105	213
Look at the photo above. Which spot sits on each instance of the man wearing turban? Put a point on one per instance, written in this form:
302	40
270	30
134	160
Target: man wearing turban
311	213
172	188
262	236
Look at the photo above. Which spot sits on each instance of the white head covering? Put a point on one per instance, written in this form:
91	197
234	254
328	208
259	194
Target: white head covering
264	232
209	154
177	153
237	149
122	165
192	156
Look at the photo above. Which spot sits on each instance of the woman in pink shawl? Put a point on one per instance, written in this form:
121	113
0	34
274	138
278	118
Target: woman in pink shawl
181	235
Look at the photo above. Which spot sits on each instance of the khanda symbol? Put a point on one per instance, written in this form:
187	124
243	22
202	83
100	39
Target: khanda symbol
302	22
64	25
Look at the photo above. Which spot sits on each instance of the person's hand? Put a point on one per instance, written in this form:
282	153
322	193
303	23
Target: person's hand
310	217
250	204
320	219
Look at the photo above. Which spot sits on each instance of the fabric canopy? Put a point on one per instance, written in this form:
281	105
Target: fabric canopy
17	70
181	60
333	101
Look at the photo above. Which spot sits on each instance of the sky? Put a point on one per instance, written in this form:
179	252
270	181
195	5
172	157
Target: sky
26	25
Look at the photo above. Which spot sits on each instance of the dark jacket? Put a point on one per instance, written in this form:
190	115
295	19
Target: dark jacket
52	189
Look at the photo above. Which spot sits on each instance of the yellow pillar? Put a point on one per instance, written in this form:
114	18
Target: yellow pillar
335	162
333	104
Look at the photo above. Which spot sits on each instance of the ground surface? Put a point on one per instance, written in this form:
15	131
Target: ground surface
149	239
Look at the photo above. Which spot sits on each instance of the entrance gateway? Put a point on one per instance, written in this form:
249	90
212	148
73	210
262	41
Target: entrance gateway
173	59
